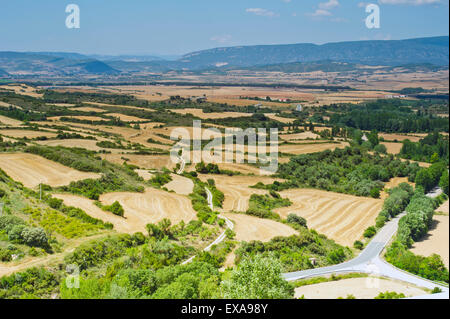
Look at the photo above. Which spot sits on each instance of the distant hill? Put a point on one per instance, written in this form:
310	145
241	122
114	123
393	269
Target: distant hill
434	50
97	67
302	67
429	54
59	64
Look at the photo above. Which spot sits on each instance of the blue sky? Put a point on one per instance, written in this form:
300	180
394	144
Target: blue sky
182	26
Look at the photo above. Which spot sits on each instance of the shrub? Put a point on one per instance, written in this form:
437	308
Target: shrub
390	295
115	208
295	219
370	232
358	245
35	237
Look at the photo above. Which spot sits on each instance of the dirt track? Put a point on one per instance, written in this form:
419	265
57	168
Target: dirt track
31	170
339	216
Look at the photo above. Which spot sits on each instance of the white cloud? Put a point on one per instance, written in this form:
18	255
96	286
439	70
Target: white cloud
321	13
414	2
261	12
221	38
328	5
325	8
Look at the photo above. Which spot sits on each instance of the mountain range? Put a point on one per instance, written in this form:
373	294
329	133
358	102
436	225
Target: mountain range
301	57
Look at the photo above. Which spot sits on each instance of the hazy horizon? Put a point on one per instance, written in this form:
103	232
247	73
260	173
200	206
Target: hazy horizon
174	27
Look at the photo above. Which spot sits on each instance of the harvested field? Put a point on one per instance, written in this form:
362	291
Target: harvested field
399	137
23	90
142	161
87	109
393	148
437	239
298	149
127	118
120	224
361	288
299	136
9	121
152	206
180	185
280	119
200	114
82	143
26	133
31	170
145	174
394	182
248	228
236	189
121	106
340	217
79	117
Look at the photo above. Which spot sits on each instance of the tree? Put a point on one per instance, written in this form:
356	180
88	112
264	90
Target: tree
380	148
35	237
257	278
373	138
443	183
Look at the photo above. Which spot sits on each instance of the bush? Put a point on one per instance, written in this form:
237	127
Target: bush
115	208
35	237
390	295
370	232
375	192
358	245
295	219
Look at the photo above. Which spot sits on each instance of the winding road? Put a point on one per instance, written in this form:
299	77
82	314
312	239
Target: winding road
370	261
222	236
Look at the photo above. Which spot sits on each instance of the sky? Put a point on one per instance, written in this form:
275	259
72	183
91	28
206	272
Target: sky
176	27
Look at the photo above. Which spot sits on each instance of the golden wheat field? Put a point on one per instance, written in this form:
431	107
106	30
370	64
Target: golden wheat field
31	170
152	206
339	216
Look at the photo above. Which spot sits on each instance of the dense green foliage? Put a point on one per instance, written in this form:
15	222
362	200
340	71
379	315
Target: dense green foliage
295	252
419	215
431	267
258	277
386	116
430	177
432	147
31	284
262	205
348	170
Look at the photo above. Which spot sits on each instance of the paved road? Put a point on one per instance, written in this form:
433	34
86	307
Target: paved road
369	261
